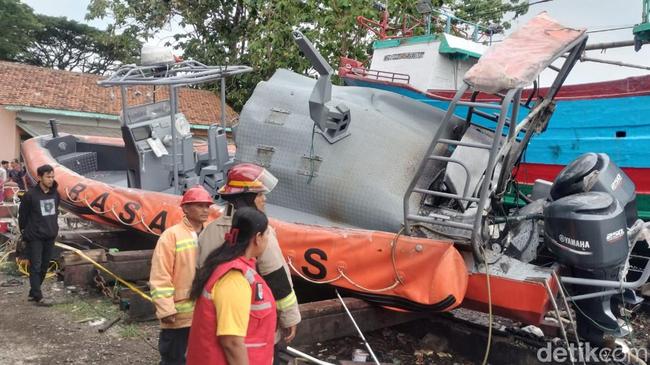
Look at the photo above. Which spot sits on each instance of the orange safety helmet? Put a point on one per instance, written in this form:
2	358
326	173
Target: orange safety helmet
196	194
248	178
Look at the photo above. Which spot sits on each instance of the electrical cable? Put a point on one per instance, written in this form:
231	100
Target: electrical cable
490	319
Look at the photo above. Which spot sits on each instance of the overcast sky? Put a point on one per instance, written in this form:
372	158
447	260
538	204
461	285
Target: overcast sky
590	14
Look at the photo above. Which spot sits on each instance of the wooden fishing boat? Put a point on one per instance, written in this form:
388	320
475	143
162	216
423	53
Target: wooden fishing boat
607	117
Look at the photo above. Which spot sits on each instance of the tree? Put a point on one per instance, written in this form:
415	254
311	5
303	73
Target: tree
18	24
258	32
61	43
68	45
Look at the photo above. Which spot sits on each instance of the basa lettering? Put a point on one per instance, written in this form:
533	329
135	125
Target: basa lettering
127	214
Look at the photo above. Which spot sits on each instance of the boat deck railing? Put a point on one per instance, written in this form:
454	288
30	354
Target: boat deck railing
379	75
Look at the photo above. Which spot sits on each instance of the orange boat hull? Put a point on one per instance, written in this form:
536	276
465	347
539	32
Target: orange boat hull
400	272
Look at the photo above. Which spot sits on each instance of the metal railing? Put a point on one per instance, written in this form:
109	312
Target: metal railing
503	151
381	75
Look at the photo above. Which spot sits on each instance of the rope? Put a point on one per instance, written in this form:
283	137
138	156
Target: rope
23	268
341	275
99	266
290	263
84	200
490	319
398	279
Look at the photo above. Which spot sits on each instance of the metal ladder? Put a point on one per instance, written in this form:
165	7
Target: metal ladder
504	150
498	148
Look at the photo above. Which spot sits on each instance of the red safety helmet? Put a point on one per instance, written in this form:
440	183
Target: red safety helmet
196	194
248	178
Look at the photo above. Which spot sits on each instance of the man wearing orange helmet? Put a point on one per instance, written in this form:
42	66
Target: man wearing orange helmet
173	267
246	186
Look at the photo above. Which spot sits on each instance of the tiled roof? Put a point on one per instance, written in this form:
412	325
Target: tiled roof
33	86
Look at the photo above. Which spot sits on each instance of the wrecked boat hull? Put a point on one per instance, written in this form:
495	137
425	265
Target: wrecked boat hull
409	273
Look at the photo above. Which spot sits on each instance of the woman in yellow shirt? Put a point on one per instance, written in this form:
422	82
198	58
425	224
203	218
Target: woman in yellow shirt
235	315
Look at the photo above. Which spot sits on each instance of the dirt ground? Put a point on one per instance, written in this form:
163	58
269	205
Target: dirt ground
67	333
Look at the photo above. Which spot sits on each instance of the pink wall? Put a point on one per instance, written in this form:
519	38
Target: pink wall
9	137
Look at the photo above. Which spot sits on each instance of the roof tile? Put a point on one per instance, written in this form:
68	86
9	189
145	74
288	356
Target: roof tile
40	87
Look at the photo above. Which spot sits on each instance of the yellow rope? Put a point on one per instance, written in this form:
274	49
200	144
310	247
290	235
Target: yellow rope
99	266
23	268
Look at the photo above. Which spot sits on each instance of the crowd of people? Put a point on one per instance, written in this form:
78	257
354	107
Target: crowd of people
12	174
222	291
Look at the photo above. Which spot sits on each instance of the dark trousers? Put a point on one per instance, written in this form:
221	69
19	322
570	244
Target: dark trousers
172	345
40	253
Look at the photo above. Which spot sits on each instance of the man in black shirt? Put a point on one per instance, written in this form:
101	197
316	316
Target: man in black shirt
17	174
38	220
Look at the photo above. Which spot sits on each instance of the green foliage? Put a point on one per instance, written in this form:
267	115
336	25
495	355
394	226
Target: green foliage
258	32
18	24
57	42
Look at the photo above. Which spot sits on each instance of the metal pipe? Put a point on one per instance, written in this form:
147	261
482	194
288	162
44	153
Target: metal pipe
124	104
307	357
223	103
594	295
568	310
610	283
172	108
484	195
559	319
54	127
615	63
357	327
608	45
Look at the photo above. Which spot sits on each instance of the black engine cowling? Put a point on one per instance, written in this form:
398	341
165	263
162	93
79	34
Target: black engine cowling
587	230
596	172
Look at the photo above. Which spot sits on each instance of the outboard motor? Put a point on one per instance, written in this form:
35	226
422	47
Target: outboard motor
588	234
596	172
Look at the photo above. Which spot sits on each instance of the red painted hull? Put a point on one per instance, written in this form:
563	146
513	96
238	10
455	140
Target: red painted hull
522	300
529	172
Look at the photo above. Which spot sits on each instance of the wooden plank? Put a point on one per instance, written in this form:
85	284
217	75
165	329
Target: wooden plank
129	255
330	306
72	258
79	275
139	309
132	270
326	320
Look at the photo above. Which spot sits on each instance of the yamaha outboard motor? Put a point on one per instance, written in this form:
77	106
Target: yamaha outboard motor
588	234
596	172
586	227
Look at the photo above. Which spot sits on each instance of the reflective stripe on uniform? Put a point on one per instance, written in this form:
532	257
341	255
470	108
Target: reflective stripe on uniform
206	294
250	275
261	344
287	301
162	292
187	244
184	307
259	307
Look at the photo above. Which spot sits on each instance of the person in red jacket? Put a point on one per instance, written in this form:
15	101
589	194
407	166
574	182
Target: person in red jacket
235	314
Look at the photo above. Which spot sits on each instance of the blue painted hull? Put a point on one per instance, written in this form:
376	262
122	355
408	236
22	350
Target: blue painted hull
618	126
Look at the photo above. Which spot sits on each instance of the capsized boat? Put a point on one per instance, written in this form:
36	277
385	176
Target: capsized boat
360	204
607	117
